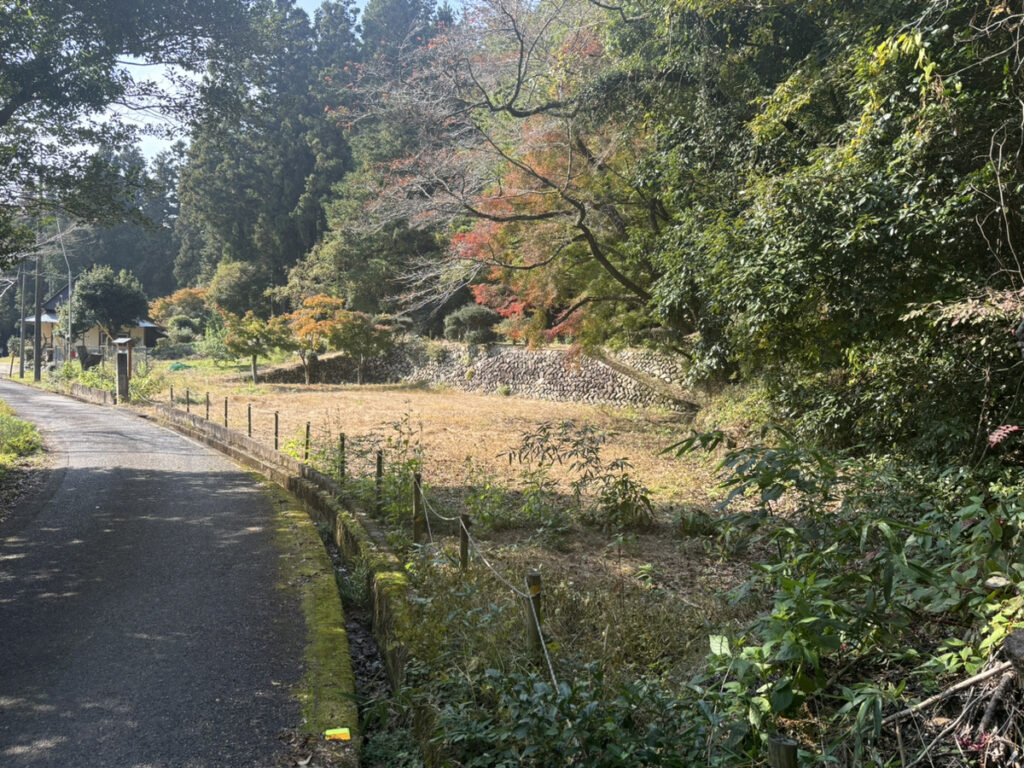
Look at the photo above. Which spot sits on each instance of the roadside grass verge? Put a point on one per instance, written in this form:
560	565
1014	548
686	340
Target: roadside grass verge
22	463
18	438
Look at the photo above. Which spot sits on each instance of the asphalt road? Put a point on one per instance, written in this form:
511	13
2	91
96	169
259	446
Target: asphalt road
140	622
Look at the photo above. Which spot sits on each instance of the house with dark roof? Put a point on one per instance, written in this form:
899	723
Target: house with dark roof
144	333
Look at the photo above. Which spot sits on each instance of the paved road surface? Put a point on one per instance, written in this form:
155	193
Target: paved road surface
140	624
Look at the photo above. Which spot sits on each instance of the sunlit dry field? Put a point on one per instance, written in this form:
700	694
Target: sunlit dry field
453	427
464	440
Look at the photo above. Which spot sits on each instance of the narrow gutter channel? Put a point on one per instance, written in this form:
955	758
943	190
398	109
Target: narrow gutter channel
368	669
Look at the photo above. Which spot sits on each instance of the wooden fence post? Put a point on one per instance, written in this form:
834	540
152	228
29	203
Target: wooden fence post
419	527
341	459
305	453
782	751
464	542
276	424
248	415
379	480
533	614
225	413
207	406
188	401
172	395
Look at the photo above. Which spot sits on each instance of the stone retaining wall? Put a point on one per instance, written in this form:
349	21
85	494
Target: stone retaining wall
640	378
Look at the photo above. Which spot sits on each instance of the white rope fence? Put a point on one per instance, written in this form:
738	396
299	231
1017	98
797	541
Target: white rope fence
475	547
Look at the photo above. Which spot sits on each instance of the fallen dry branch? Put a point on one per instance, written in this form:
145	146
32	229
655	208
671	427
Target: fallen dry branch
981	676
990	710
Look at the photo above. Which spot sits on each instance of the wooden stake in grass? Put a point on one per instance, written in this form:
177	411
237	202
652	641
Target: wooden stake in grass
248	414
533	614
782	751
207	406
464	542
188	401
305	452
276	425
379	480
341	459
419	527
225	413
172	396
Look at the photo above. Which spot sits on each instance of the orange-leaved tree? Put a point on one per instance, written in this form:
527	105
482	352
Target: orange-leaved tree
190	302
359	337
313	326
253	336
520	150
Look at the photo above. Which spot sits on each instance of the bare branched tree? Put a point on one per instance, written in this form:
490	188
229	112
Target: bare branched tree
511	150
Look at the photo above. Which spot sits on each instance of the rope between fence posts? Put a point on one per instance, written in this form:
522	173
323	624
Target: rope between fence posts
429	509
543	642
426	512
490	567
429	506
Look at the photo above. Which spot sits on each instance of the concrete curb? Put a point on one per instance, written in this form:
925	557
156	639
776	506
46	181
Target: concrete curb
355	534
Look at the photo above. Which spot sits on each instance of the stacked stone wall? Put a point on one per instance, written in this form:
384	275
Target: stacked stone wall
628	378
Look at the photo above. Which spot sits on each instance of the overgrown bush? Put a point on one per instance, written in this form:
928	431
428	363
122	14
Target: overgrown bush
881	575
166	349
182	329
145	382
606	494
533	503
213	345
519	718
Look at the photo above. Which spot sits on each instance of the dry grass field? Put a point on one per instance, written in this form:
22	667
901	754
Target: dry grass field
452	426
678	578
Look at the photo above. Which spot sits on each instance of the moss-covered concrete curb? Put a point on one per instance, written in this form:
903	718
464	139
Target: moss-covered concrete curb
327	689
356	536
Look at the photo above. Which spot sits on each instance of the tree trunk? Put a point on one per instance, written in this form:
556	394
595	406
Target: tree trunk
359	370
254	370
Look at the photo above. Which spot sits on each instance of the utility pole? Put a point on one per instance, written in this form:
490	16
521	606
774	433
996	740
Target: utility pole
21	344
37	334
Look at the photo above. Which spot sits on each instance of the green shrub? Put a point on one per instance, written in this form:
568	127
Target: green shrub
99	377
166	349
606	494
213	345
879	571
436	352
17	437
145	383
182	329
522	719
473	324
622	502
